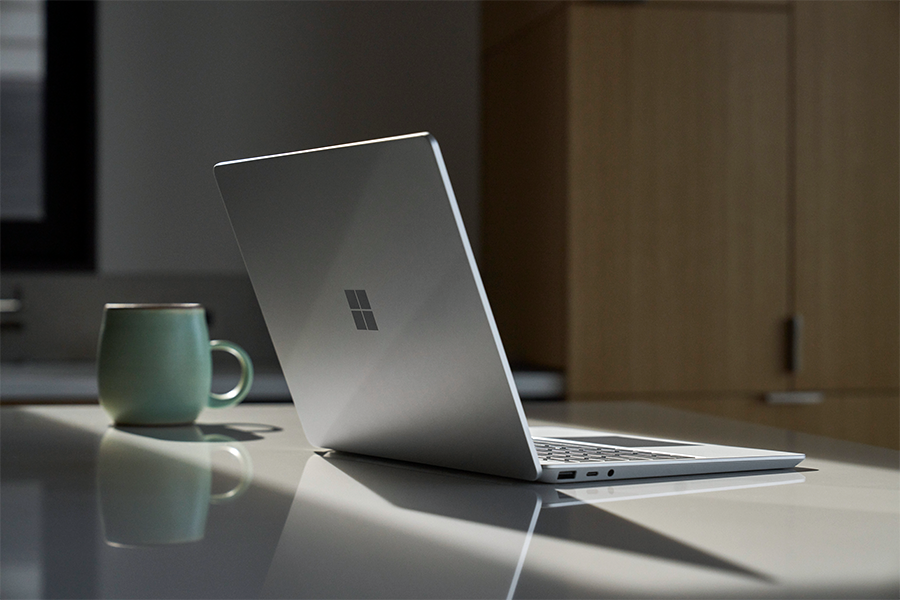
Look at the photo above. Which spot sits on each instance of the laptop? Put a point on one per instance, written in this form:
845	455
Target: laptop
359	259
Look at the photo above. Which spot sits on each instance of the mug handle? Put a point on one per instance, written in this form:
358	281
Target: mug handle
239	452
240	391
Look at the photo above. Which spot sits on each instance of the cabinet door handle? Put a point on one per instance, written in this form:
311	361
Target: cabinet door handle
794	335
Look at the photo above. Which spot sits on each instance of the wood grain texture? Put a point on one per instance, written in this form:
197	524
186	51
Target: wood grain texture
677	199
865	417
848	193
524	192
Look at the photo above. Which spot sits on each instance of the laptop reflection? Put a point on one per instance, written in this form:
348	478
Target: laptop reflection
365	528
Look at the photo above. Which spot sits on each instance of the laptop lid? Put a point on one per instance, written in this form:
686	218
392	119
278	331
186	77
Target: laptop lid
360	261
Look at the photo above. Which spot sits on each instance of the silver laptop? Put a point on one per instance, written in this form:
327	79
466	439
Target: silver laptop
371	295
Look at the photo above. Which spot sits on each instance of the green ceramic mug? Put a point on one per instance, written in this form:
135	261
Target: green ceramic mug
154	364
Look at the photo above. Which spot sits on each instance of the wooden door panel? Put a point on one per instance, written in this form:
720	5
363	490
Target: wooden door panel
848	256
678	182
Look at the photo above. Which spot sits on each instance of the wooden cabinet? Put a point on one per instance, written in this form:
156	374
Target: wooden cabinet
847	208
677	189
666	184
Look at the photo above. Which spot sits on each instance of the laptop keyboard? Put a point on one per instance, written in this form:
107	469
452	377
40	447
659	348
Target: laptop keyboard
554	451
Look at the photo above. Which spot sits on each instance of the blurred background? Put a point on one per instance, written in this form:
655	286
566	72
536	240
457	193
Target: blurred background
689	203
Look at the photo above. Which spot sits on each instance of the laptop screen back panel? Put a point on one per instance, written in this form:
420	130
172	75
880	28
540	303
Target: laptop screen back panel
368	286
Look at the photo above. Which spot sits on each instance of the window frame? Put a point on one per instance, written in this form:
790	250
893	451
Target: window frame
65	238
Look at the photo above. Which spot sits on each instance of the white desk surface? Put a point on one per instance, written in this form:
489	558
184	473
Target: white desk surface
90	511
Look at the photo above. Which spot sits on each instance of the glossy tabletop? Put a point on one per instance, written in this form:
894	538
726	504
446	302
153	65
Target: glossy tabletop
241	506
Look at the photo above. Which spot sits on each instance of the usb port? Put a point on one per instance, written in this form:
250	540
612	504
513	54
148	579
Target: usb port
566	475
592	473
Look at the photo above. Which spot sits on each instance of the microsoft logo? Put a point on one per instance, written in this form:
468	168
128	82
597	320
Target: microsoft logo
361	310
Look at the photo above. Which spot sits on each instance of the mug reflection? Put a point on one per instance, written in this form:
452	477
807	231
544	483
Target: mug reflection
155	484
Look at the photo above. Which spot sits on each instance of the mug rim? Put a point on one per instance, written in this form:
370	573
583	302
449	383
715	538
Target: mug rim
151	306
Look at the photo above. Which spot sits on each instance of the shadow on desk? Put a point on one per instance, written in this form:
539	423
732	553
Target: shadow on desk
312	526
